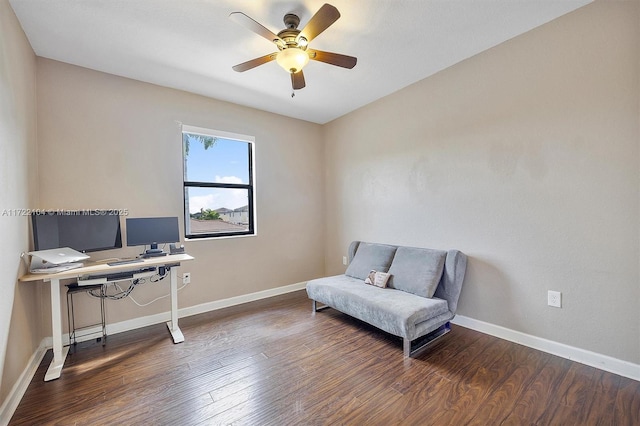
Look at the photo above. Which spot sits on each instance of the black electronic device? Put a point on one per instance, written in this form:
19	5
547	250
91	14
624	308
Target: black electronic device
82	230
152	231
176	250
150	253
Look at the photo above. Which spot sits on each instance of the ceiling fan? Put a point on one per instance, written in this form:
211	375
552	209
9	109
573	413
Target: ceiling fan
293	44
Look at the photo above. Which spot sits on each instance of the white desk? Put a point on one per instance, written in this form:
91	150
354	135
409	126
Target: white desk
60	352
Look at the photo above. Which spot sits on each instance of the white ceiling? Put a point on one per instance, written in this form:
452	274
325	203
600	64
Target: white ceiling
191	44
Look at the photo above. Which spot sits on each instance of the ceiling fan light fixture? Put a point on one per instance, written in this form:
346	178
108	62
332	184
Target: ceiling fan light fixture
292	59
293	44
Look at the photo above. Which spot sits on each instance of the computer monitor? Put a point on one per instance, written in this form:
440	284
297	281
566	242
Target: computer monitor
151	231
83	230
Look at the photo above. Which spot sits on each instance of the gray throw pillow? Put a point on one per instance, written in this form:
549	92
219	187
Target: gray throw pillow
417	270
370	256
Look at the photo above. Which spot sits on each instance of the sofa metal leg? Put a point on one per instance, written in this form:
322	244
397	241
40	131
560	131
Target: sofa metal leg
316	308
425	341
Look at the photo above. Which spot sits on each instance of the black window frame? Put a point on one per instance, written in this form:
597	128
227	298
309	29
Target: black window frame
249	187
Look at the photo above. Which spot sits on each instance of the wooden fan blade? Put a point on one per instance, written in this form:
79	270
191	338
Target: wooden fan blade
247	22
255	62
319	22
337	59
297	80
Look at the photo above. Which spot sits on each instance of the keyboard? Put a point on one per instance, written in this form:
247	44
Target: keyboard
124	262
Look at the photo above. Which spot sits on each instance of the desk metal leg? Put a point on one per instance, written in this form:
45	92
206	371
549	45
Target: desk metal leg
59	352
175	331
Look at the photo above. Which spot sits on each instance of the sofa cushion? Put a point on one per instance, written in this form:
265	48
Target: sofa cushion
393	311
370	256
417	270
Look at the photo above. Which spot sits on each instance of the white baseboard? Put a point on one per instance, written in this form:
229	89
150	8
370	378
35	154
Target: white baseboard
238	300
20	387
136	323
133	324
17	392
593	359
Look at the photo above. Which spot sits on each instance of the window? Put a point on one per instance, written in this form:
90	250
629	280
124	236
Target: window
218	183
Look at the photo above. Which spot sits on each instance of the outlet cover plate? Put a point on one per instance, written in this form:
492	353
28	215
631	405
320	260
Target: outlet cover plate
554	298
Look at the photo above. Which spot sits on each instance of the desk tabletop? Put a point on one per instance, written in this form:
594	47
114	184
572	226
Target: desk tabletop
98	267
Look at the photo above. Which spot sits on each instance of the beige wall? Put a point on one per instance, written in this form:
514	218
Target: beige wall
110	142
526	158
20	332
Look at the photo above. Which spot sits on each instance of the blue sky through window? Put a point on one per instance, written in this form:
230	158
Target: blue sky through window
226	159
225	162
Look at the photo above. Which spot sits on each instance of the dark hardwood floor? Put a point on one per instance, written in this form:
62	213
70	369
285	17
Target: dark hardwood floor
273	362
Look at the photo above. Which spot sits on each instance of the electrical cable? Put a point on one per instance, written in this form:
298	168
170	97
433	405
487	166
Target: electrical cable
121	294
161	277
156	299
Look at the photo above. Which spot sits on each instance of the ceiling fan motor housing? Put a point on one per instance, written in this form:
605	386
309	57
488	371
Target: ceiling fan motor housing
291	21
290	34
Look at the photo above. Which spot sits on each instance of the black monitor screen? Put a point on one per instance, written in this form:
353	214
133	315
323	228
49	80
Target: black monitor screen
84	231
152	231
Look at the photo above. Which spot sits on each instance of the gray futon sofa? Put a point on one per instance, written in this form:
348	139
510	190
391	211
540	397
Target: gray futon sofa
420	298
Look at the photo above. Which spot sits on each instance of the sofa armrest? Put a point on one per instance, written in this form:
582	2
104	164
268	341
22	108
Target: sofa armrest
452	278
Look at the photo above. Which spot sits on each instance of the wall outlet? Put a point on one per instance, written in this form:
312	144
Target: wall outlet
344	260
186	278
554	298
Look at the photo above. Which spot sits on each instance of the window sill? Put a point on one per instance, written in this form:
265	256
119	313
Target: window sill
226	237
